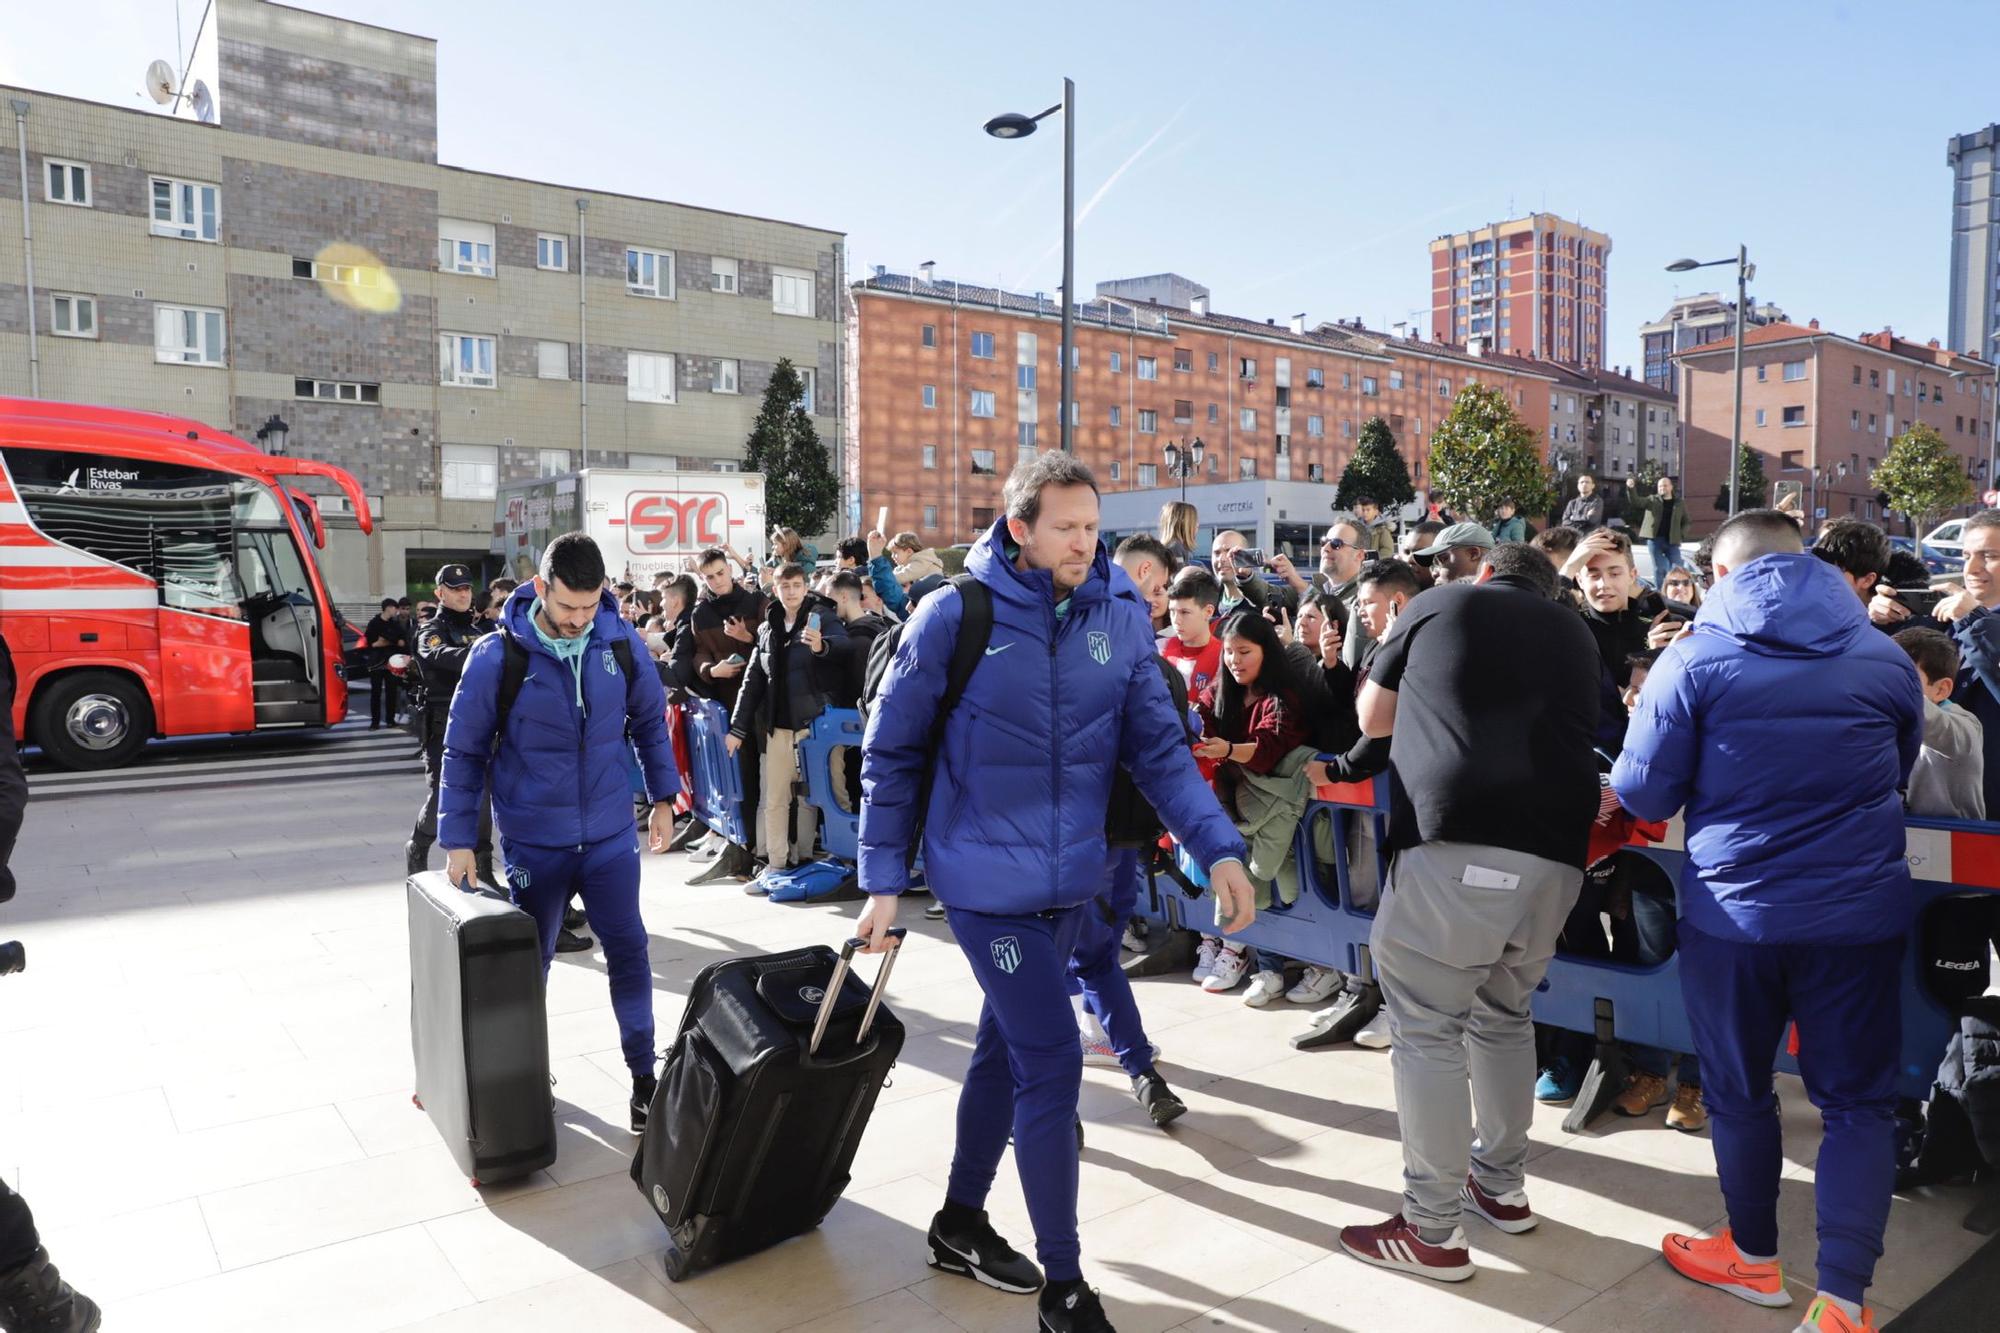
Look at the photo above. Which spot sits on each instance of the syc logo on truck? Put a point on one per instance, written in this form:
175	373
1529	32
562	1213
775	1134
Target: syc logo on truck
657	521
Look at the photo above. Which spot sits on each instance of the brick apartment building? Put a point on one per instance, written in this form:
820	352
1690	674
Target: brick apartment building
1532	286
1821	409
953	383
223	271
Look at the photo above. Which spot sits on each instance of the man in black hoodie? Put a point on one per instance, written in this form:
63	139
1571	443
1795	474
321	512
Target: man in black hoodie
711	654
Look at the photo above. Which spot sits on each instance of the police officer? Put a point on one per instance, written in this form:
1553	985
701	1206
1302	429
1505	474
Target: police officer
442	643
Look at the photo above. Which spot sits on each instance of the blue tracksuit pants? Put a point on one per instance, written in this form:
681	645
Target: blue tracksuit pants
1845	1000
606	876
1026	1072
1095	971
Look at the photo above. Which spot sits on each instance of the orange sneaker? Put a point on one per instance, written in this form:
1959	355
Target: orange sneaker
1715	1262
1823	1316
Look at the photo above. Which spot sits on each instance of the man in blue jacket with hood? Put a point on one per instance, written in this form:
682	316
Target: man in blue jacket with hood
562	796
1013	845
1786	725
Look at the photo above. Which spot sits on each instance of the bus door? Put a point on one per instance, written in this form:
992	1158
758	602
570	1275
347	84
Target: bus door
287	658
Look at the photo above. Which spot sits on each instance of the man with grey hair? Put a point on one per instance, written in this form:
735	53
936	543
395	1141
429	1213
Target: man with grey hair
1007	786
1795	900
1488	691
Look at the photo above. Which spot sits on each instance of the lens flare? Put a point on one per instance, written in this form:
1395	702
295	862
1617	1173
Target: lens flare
353	276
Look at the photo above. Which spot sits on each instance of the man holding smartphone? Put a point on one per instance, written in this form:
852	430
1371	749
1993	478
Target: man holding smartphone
713	654
1342	552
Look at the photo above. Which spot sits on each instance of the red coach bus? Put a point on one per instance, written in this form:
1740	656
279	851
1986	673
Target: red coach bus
157	578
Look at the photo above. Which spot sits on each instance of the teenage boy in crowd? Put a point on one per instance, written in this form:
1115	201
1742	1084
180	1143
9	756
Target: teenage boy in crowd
713	653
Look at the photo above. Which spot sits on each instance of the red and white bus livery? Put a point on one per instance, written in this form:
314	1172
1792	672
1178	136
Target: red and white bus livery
157	578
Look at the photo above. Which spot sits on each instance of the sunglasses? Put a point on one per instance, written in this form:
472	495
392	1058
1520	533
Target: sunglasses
1332	544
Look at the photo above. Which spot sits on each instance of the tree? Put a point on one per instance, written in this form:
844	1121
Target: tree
1377	470
1647	480
1483	456
1921	476
800	490
1750	483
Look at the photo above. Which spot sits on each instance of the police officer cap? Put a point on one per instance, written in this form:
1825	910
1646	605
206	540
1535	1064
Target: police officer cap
454	576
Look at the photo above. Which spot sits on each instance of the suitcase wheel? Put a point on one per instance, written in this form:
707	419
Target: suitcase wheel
416	1101
473	1181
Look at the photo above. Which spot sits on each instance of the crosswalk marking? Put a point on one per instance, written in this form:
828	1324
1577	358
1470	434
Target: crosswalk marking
345	752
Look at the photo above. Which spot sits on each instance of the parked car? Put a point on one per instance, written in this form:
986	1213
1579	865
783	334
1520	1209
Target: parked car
1937	561
1949	538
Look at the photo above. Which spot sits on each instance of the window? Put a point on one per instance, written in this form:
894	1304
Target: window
1444	387
930	395
352	275
1115	474
191	335
184	209
1347	428
1795	416
649	377
1760	373
1117	363
552	361
465	247
930	335
1149	422
1214	362
1857	374
552	252
1183	361
73	316
1117	415
1024	437
1368	385
67	182
1569	404
728	376
465	360
982	462
1874	379
1854	419
1024	378
1346	379
1149	474
982	404
1246	468
1246	418
1214	414
1395	379
1792	460
1795	370
792	292
809	381
1315	378
1149	368
723	276
1760	416
338	391
1246	368
551	462
1315	426
650	273
982	517
1183	411
1314	472
471	471
982	346
1871	423
930	457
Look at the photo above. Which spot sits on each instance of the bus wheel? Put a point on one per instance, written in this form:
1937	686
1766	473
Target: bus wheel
93	719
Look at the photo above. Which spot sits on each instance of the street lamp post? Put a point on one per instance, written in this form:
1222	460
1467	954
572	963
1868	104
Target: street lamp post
1745	270
1013	125
1183	459
273	433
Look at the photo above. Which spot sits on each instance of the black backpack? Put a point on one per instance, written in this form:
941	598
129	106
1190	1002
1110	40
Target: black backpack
514	672
1131	821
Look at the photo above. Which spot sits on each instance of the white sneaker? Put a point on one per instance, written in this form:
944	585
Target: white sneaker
1315	984
1265	987
1133	941
1227	972
1374	1033
1204	957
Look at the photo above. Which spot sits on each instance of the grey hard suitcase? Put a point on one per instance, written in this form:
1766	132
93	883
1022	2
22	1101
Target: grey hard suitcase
479	1029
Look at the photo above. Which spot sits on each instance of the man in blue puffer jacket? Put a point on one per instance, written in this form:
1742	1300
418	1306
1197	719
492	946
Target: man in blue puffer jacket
562	797
1786	726
1013	845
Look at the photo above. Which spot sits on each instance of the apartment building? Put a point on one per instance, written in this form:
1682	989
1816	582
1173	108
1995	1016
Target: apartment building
1974	320
1821	408
1532	286
433	330
1694	321
954	383
1610	424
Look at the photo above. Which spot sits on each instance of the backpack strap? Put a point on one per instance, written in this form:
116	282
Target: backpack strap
975	631
513	672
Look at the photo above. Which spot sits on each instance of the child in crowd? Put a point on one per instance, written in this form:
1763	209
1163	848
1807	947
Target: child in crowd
1252	725
1192	599
1949	779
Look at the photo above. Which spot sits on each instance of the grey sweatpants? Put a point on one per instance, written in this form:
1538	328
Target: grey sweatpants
1461	940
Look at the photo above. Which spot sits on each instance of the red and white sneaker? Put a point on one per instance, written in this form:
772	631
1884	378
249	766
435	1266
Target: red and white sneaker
1396	1244
1509	1212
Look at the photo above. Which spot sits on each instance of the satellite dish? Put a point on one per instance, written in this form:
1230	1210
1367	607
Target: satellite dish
204	103
160	82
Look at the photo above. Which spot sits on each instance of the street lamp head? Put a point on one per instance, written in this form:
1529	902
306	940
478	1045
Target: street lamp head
1012	125
1172	456
273	432
1196	452
1682	265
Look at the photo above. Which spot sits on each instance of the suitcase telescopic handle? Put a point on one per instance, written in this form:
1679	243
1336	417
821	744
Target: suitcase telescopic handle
833	988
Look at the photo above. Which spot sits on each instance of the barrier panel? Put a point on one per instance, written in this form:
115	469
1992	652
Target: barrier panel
839	828
714	780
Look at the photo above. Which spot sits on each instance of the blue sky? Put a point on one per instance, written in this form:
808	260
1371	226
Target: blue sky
1292	156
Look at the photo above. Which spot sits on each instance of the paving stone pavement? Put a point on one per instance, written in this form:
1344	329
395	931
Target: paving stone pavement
208	1106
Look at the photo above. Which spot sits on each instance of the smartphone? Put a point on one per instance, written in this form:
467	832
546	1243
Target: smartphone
657	641
1680	611
1370	556
737	658
812	621
1250	557
1921	601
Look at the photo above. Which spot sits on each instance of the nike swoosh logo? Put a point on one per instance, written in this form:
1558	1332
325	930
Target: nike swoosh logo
1001	649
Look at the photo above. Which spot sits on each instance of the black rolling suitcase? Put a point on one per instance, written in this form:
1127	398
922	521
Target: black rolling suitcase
479	1029
762	1101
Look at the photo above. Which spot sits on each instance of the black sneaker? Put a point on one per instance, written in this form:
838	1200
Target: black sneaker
1158	1099
1072	1308
1339	1021
568	941
573	918
643	1088
690	833
979	1253
35	1299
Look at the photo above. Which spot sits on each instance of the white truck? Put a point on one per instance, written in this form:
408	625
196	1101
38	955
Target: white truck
643	521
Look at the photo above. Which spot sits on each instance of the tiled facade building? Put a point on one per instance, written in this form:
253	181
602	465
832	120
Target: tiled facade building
418	324
1694	321
1532	286
1974	321
1821	409
1609	424
953	383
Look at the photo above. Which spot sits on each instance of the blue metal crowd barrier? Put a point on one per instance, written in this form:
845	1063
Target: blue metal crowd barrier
839	827
715	783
